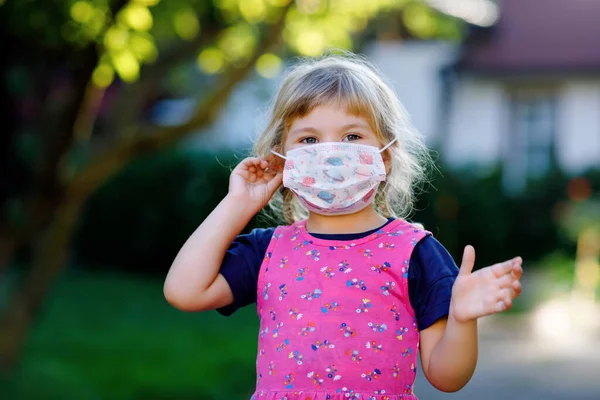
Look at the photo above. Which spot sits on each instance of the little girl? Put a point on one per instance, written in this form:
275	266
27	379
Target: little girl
347	291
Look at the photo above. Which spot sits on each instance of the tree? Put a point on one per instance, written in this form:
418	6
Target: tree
81	74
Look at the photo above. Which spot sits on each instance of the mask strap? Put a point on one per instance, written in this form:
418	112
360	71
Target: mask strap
381	151
279	155
387	145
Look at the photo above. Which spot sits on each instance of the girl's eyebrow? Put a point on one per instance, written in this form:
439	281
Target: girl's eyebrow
354	125
308	129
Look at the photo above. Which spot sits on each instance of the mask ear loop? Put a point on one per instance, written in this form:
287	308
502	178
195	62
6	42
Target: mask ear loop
279	155
381	151
387	145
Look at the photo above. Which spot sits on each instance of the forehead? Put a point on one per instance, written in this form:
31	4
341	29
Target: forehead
329	116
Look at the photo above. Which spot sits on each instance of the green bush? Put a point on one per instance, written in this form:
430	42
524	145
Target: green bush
461	209
467	209
139	220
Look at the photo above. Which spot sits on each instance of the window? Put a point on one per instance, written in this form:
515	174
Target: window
531	138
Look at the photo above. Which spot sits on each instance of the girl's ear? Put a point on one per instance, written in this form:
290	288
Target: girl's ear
276	163
387	161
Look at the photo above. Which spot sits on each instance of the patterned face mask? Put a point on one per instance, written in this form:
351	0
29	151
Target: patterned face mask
334	178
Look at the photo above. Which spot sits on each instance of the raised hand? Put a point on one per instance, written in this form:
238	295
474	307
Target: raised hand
253	182
487	291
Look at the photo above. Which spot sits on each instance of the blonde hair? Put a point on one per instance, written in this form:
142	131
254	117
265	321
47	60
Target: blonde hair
351	82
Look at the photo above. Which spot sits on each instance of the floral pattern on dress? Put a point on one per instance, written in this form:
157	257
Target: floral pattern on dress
335	317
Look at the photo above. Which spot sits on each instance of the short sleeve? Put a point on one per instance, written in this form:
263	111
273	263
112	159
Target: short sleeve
241	266
432	273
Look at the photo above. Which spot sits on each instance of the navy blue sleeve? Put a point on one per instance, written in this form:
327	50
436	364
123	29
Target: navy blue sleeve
241	266
431	274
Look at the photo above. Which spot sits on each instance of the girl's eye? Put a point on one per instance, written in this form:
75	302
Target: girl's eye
352	137
309	140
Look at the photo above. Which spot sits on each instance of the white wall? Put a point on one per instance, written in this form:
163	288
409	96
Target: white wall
479	123
578	138
478	120
413	70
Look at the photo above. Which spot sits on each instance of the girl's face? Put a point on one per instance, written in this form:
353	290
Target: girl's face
328	123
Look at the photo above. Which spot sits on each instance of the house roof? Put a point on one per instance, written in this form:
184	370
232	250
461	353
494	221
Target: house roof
538	36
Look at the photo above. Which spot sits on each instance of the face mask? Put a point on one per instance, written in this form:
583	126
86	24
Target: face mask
334	178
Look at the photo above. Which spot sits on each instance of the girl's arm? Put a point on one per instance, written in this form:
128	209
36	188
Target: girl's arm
193	282
449	353
449	347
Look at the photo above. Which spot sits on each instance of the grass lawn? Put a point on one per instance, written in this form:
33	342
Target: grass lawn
107	337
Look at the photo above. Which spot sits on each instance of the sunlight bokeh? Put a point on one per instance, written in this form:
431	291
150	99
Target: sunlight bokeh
211	60
269	65
186	24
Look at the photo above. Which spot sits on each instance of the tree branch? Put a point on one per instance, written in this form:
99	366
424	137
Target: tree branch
59	142
128	106
207	111
177	54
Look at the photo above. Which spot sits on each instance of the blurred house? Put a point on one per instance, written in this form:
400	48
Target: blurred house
523	93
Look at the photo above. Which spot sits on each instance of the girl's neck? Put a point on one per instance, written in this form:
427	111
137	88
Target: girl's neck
361	221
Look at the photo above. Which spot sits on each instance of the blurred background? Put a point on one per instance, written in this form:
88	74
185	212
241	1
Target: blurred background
123	118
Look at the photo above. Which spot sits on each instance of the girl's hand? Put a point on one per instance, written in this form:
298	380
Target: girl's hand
254	183
487	291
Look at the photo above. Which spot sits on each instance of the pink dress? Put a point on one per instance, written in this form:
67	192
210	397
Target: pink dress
335	317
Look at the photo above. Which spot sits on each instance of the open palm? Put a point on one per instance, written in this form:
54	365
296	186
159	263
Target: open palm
486	291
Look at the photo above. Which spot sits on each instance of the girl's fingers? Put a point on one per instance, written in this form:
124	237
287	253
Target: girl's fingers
275	182
517	288
506	296
501	306
517	269
506	281
468	261
508	266
257	171
518	260
254	164
502	269
250	162
252	168
504	301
